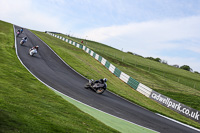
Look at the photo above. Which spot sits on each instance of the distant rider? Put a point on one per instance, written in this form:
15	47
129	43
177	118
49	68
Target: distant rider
18	30
21	30
35	48
25	39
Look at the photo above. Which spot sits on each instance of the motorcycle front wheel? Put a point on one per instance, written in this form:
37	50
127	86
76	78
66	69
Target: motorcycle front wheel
100	90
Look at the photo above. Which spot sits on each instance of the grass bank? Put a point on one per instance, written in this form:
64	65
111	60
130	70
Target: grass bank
90	68
26	105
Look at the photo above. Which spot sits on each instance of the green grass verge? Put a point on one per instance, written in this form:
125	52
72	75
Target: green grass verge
90	68
116	123
26	105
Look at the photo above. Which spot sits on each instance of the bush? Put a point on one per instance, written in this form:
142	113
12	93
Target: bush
154	59
196	72
130	53
186	67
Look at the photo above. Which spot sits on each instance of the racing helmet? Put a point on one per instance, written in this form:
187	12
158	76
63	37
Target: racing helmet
25	37
37	47
105	80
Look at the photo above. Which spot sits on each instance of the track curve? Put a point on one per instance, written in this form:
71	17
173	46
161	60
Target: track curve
50	69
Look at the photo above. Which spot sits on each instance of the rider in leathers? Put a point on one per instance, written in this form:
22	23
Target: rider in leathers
25	39
101	81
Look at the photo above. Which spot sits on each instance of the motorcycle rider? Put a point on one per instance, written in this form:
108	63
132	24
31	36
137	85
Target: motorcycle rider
36	47
21	30
101	81
25	39
99	86
18	31
33	50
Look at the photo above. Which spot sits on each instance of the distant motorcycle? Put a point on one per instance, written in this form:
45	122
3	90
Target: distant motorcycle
18	33
24	40
33	51
97	87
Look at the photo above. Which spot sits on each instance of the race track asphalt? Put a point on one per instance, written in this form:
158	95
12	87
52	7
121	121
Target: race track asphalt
50	69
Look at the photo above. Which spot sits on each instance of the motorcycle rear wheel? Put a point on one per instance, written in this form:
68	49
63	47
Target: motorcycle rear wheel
87	86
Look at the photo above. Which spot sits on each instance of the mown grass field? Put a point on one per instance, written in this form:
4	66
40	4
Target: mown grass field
91	68
26	105
178	84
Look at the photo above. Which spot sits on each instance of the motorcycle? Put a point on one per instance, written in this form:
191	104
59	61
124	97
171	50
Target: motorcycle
97	87
21	30
22	41
32	51
18	33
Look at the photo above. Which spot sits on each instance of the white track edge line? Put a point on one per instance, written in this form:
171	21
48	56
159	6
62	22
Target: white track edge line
178	122
64	94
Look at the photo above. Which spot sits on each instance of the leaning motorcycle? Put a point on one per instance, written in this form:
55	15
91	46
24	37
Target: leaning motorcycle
32	52
22	41
97	87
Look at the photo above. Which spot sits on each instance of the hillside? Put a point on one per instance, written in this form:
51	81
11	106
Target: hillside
90	68
178	84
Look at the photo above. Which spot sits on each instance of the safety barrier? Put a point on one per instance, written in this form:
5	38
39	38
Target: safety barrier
146	91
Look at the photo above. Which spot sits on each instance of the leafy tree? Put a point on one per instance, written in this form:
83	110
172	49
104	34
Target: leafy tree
157	59
130	52
186	67
154	59
196	72
151	58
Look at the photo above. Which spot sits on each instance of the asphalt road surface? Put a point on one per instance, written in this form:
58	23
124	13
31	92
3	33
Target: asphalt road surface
49	68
